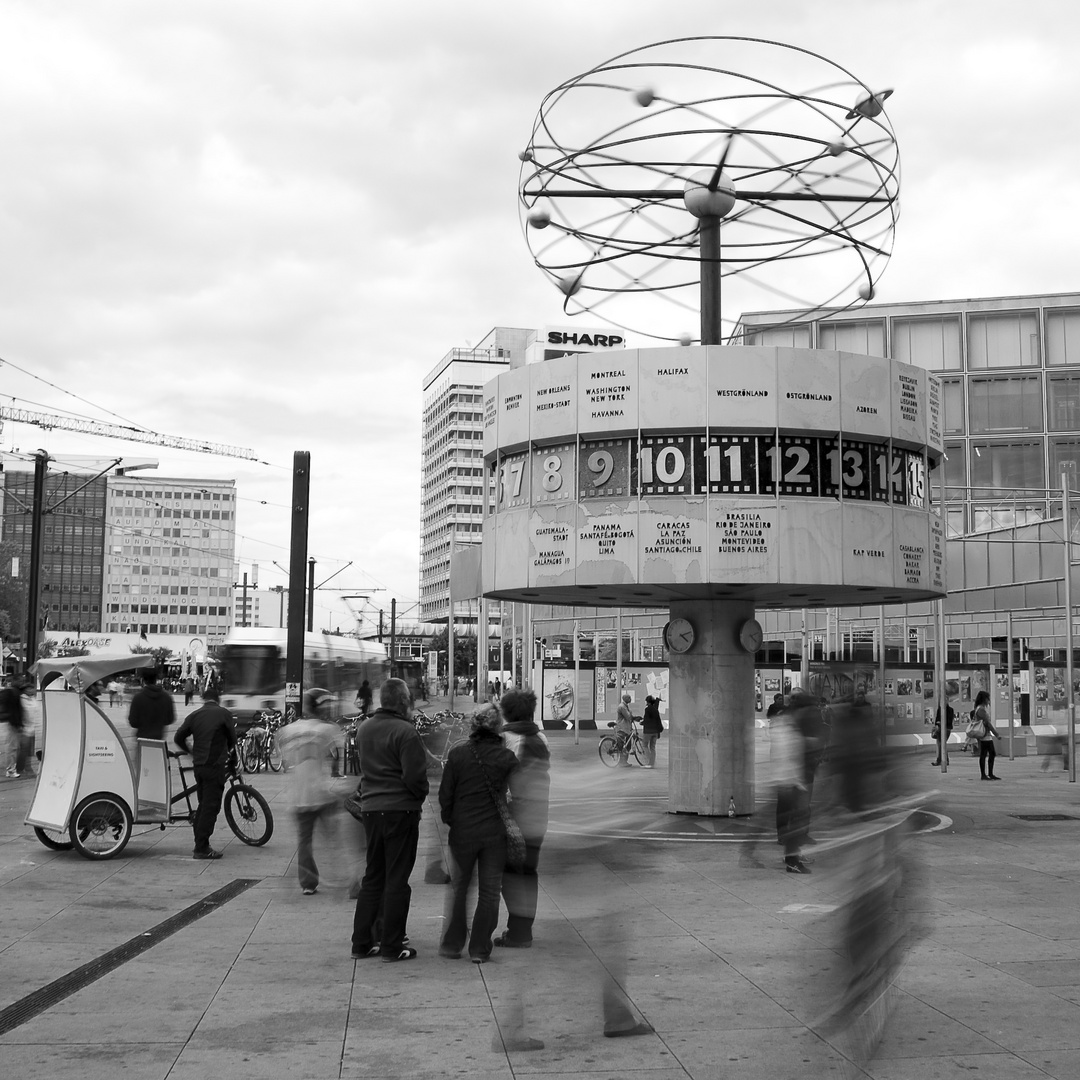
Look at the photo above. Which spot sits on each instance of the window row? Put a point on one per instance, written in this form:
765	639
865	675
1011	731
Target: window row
1003	403
991	469
998	339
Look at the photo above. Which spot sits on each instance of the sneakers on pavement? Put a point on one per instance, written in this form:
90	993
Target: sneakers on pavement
209	853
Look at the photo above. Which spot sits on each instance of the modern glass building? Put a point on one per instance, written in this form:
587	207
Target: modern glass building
1010	371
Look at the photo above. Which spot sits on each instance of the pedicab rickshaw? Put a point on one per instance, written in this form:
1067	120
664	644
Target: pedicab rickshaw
89	792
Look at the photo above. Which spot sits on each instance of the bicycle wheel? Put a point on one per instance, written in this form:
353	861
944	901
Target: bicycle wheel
609	751
251	758
273	754
53	839
101	826
637	748
248	815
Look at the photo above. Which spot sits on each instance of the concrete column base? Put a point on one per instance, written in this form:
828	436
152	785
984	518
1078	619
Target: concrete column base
711	713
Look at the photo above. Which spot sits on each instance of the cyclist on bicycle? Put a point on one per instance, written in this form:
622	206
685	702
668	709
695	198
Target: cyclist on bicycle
624	728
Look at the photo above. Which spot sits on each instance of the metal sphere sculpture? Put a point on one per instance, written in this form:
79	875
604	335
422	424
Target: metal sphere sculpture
792	153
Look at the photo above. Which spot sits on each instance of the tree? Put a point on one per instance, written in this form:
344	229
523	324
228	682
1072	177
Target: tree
12	595
464	653
158	652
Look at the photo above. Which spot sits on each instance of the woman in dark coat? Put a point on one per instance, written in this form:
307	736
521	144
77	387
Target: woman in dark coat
651	728
477	838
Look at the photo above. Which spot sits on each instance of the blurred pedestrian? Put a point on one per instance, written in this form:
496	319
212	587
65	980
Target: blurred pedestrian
393	786
788	760
13	721
950	717
307	750
855	755
189	690
474	780
114	693
152	709
652	727
530	789
213	739
776	707
624	728
809	718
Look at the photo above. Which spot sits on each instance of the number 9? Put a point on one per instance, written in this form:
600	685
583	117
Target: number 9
603	464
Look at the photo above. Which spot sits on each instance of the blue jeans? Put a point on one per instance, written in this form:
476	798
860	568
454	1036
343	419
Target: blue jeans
392	837
488	856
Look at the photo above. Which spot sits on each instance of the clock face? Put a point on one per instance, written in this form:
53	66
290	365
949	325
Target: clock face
679	635
750	635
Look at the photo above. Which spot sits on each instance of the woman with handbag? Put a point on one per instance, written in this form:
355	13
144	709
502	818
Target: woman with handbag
983	731
472	796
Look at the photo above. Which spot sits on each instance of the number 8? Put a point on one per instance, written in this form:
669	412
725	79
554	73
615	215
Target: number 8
552	480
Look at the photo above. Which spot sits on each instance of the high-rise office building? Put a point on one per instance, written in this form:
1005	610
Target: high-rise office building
452	463
170	551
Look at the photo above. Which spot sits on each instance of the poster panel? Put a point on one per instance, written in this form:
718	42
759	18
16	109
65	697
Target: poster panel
911	548
809	389
553	397
607	545
607	391
865	389
511	547
811	539
742	540
552	545
868	545
512	409
672	388
673	541
742	389
909	404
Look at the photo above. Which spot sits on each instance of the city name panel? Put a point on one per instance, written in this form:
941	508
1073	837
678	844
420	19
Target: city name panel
795	477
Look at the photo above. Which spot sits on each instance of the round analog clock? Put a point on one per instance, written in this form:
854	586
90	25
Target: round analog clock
750	635
678	635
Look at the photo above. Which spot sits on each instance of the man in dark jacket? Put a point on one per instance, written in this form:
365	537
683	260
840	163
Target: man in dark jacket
152	709
211	728
13	716
394	784
530	787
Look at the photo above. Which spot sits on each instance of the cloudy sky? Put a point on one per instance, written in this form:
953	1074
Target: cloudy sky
261	223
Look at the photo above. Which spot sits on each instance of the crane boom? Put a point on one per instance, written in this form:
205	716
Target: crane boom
121	431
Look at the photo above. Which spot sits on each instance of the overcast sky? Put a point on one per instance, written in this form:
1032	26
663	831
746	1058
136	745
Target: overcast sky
261	223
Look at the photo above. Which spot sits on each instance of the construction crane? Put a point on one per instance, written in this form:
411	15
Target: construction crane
119	431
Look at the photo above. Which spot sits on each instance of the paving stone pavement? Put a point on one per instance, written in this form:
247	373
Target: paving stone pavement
732	966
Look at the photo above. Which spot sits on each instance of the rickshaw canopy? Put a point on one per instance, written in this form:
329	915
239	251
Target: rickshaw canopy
81	672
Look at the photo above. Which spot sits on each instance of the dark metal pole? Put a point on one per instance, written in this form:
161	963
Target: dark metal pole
243	600
709	238
33	597
294	659
311	596
393	637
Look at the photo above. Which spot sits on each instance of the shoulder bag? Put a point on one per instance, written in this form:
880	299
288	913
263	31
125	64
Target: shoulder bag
515	839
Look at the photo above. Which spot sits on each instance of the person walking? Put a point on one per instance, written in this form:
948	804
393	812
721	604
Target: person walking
624	728
950	717
787	756
984	732
530	789
189	690
114	693
213	738
13	719
307	749
474	777
152	709
652	727
394	784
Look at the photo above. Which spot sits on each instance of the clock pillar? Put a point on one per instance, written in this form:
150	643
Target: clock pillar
711	716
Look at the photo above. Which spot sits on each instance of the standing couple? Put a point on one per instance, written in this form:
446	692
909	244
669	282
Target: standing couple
505	751
394	785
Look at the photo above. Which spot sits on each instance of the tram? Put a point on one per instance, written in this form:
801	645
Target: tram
252	669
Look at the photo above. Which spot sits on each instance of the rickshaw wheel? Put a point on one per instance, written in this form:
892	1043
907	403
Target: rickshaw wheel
53	839
100	826
248	815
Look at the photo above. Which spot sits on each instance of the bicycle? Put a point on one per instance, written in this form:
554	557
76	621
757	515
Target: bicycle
258	746
100	826
613	747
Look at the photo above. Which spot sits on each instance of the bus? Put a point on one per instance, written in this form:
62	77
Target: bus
252	669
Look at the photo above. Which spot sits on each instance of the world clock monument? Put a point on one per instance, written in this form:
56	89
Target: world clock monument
711	477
